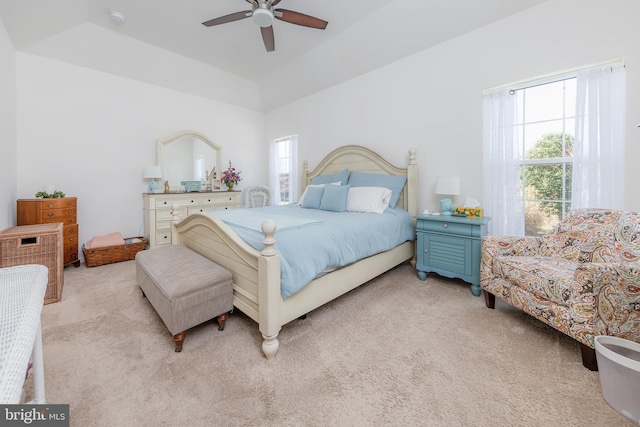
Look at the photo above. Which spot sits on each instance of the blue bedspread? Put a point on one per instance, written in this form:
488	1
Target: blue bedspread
324	240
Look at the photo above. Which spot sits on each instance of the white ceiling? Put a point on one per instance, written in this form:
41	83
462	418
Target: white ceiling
361	35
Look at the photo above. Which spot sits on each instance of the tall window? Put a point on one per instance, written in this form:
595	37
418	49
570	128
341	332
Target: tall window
546	127
553	145
283	170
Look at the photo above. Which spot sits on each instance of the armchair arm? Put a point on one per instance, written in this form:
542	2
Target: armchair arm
493	246
614	289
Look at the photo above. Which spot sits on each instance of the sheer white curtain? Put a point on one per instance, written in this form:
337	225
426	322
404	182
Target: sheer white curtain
598	158
501	175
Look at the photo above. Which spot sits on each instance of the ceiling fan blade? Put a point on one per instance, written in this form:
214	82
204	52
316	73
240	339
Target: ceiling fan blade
267	37
274	2
227	18
300	19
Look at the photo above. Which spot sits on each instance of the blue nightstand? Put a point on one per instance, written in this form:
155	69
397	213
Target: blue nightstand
450	246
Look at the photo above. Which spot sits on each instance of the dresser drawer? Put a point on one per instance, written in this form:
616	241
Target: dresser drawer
71	257
66	215
165	214
163	237
58	204
446	227
70	240
225	207
162	202
70	230
222	197
200	209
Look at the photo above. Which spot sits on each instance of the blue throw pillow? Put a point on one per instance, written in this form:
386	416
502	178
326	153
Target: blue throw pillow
392	182
334	198
313	197
342	176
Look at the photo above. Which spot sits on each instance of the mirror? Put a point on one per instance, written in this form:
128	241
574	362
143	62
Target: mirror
188	156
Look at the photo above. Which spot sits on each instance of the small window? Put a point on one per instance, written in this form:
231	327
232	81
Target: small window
283	170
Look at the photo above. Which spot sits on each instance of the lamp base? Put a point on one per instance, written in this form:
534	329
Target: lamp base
446	206
152	186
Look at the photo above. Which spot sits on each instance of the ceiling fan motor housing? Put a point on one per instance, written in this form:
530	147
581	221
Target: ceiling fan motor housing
263	17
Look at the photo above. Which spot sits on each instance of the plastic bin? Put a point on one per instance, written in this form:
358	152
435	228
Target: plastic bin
619	367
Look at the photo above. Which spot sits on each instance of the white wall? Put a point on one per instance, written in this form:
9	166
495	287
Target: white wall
8	150
433	100
91	134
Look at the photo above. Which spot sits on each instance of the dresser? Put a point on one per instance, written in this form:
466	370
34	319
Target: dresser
46	211
157	210
450	246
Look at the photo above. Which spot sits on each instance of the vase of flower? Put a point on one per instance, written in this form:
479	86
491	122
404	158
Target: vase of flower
231	177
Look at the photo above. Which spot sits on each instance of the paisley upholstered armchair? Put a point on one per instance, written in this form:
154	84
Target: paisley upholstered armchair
582	279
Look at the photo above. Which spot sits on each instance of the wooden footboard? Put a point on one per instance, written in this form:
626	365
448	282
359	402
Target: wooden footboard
256	274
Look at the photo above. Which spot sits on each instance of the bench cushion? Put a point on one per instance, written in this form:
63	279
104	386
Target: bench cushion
179	271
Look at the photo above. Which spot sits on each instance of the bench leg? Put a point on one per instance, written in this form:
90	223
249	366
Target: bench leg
222	319
179	340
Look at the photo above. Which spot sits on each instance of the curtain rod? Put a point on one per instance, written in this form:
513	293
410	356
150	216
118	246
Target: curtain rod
552	77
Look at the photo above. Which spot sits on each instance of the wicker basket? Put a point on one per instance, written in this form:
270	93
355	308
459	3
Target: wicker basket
110	254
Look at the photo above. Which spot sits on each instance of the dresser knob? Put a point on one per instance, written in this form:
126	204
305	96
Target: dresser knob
165	237
445	225
164	203
50	205
50	214
426	250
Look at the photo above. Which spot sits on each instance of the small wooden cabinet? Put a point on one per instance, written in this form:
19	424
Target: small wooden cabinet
51	210
450	246
157	210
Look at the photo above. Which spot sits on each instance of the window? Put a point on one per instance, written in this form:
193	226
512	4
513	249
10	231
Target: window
283	170
546	126
552	145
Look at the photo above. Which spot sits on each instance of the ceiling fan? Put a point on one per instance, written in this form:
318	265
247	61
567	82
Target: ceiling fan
262	12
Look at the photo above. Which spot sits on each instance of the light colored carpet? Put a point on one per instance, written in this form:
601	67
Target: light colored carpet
396	351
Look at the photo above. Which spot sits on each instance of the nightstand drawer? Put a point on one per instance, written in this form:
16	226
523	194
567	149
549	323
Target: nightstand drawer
446	227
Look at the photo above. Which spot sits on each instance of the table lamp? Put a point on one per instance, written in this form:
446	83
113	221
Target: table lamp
449	186
152	172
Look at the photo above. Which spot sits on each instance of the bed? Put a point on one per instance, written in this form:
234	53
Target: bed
256	273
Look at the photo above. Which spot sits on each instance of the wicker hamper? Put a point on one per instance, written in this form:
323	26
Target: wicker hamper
110	254
36	244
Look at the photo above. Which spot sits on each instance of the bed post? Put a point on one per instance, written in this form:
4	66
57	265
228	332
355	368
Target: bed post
175	219
269	296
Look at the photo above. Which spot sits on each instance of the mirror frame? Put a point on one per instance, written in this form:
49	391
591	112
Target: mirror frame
163	142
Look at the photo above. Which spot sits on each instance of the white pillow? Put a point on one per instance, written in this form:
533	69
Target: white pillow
313	185
368	199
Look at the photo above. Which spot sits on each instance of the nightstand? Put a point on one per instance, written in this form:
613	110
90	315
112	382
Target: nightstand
450	246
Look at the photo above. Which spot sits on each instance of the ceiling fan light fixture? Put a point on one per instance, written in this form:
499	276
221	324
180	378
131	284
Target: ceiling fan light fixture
262	17
116	16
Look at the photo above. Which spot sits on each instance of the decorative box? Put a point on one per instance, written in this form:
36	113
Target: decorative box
192	186
470	212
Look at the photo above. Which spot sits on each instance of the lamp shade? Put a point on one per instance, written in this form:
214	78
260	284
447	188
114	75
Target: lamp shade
152	172
448	185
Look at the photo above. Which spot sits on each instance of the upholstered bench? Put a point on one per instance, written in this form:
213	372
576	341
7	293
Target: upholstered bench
185	288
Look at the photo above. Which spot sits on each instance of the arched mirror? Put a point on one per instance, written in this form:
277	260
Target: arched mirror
188	156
